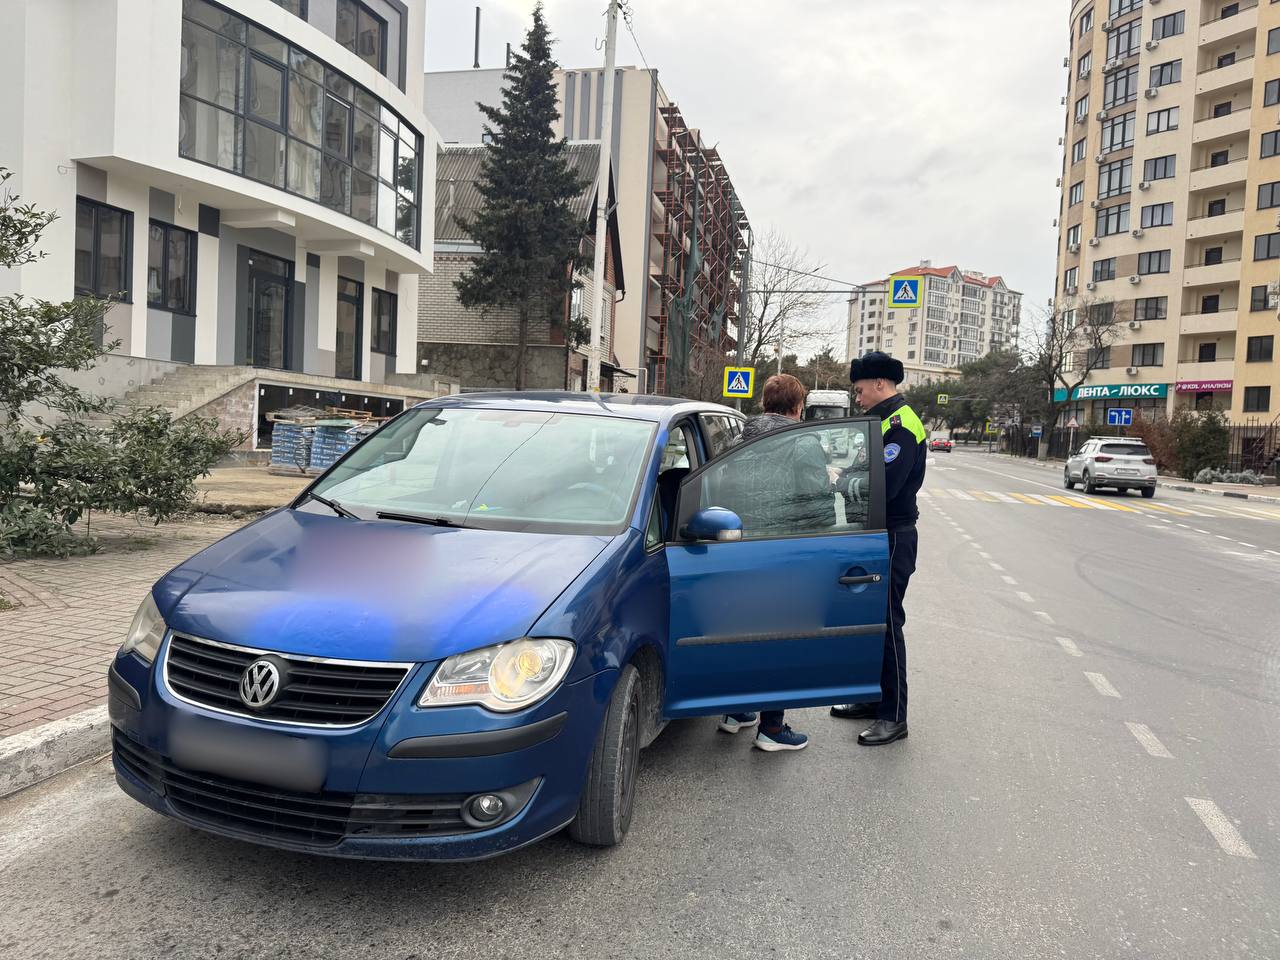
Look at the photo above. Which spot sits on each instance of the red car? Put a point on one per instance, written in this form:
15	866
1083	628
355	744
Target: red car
940	443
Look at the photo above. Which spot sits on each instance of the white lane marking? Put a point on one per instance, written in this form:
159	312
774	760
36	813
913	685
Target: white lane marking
978	546
1002	497
1185	526
1043	499
960	495
1150	742
1044	616
1252	546
1069	645
1010	581
1198	530
1223	830
1154	526
1102	684
996	566
923	494
967	536
1221	537
1274	552
1025	597
984	555
941	494
1165	520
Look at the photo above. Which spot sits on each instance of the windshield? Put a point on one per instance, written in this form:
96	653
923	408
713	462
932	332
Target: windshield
827	413
498	470
1125	449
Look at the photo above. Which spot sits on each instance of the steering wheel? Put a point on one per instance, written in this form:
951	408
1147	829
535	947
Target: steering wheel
615	500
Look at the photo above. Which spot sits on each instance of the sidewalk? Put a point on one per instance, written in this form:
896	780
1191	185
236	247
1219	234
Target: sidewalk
69	616
246	489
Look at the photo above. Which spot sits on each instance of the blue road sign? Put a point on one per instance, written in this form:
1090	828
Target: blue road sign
1119	417
1037	431
739	382
904	292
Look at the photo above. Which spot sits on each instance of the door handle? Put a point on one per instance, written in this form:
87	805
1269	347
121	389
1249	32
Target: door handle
856	581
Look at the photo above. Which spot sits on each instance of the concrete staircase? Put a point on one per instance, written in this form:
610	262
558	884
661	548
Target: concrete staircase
185	390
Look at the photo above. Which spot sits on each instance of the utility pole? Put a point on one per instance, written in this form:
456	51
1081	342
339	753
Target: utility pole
602	198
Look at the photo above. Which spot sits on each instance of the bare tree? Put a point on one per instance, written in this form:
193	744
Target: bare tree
786	306
1069	345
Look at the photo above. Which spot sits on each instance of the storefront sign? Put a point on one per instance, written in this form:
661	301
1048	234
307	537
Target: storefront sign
1114	391
1203	386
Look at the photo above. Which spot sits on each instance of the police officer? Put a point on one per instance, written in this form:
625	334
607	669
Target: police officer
875	385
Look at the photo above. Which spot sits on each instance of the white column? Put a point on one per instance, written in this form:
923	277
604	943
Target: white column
407	324
327	304
208	250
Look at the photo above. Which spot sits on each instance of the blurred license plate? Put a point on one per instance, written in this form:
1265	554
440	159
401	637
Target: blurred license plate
1126	471
244	753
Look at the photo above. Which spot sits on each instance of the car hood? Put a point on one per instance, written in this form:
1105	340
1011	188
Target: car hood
326	586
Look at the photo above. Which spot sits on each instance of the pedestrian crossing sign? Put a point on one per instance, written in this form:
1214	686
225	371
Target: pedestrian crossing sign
904	293
739	382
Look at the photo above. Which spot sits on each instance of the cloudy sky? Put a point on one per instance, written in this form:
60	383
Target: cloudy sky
875	133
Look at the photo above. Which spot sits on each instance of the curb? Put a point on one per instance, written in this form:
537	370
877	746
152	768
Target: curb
45	751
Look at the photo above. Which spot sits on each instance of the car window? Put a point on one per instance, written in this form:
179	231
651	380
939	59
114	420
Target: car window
653	531
1125	449
718	432
679	450
800	481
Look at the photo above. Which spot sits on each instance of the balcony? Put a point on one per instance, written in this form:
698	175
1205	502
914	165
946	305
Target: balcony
1216	128
1220	78
1212	275
1234	27
1224	368
1222	225
1200	323
1225	175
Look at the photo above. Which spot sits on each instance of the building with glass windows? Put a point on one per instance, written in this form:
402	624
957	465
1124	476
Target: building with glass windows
966	315
245	180
1170	209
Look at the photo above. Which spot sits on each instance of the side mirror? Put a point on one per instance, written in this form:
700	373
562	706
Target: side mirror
714	524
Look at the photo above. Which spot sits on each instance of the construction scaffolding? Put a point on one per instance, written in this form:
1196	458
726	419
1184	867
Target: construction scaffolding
701	231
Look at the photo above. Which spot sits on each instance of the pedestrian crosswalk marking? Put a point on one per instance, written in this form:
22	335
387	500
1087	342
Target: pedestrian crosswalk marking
1131	505
960	495
983	496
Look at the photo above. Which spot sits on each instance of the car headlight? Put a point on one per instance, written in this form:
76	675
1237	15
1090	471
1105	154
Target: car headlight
504	677
146	631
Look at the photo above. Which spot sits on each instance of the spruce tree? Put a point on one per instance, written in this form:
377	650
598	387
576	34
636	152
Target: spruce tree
526	231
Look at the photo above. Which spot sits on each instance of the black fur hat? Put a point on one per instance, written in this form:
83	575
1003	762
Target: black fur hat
876	365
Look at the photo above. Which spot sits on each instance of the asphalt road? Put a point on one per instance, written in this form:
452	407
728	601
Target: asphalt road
1092	772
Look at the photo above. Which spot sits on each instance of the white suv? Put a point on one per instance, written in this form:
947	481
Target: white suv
1112	462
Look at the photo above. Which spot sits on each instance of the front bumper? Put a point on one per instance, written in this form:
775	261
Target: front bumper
394	788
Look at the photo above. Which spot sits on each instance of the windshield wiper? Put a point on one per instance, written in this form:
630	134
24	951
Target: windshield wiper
420	518
333	505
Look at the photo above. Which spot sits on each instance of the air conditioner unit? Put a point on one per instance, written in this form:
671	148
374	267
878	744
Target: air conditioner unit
1094	204
1152	93
1135	324
1058	183
1063	101
1131	371
1152	44
1143	185
1061	141
1137	232
1066	61
1073	248
1106	25
1084	74
1100	158
1135	279
1091	285
1102	115
1055	221
1110	65
1071	291
1094	241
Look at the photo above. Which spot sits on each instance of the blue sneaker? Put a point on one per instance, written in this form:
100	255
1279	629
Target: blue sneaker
784	739
733	722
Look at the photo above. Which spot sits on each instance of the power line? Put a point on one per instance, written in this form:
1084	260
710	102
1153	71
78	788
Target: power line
625	7
849	285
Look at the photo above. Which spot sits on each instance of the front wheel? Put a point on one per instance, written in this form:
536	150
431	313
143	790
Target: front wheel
1067	482
1148	492
609	794
1089	485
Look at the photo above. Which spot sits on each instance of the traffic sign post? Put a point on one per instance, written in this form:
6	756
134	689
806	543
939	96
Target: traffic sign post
1119	417
739	382
906	293
943	399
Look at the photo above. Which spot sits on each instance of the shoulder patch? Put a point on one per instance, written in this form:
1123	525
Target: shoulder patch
895	421
891	452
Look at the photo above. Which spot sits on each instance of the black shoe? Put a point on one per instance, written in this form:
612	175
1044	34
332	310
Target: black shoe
854	711
882	732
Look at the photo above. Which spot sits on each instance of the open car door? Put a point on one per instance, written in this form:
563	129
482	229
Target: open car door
791	611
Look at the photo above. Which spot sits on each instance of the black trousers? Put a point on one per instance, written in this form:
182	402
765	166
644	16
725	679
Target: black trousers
893	672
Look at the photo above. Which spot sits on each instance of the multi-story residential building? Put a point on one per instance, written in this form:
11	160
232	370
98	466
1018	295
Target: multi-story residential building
479	346
1170	195
245	179
681	224
966	315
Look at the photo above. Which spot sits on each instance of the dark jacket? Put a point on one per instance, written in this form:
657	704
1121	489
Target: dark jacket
783	488
904	462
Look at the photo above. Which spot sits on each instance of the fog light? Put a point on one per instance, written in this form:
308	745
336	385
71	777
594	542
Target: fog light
487	807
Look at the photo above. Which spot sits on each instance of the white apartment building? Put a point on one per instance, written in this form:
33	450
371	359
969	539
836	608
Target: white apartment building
245	179
966	316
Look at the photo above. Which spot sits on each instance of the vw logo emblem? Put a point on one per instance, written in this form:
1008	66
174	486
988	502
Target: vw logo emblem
259	684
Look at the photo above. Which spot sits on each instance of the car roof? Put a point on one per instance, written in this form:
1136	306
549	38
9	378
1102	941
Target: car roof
630	406
1119	439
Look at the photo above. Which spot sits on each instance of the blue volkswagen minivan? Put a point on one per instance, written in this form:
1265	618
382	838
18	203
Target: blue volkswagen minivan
457	640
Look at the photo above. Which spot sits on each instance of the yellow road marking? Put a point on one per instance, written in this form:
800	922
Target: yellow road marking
978	494
1026	499
1072	503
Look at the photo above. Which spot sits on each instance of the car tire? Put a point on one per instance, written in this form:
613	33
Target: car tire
1148	492
608	795
1067	482
1089	485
